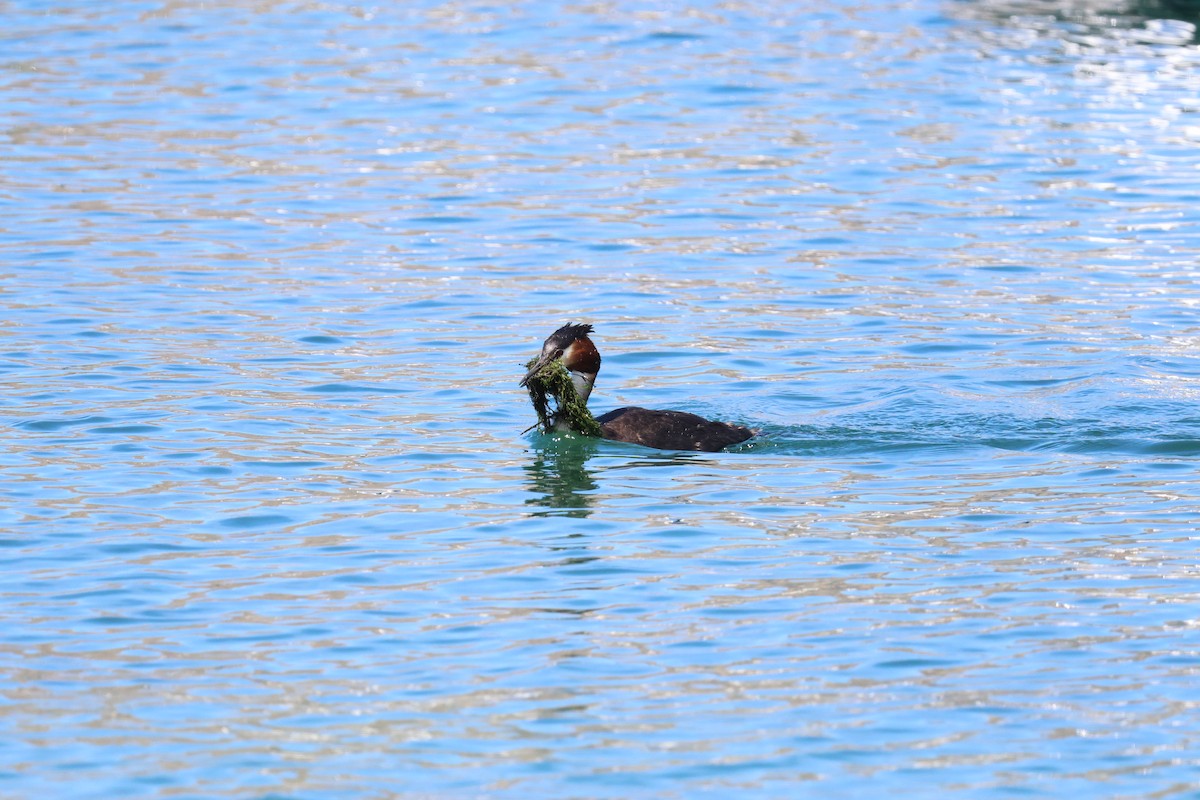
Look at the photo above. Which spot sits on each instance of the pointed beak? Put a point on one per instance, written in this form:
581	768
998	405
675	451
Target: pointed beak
542	361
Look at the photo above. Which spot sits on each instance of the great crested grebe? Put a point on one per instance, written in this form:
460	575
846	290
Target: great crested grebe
666	430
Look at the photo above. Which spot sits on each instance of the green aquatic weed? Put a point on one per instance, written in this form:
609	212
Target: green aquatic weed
553	380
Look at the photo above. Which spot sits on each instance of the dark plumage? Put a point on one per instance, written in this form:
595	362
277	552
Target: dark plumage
669	430
570	332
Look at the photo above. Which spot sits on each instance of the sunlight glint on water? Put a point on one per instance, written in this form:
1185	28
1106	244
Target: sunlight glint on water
269	274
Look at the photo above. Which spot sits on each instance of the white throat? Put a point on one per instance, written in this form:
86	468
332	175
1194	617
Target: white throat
583	383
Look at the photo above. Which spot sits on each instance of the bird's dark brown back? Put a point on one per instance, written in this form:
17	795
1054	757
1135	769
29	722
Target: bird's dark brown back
669	430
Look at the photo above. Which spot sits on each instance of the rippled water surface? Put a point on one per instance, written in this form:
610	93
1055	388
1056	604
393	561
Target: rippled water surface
269	272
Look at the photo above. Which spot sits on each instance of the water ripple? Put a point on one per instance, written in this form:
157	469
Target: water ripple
271	273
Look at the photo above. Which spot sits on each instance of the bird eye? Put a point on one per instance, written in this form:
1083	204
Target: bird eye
558	353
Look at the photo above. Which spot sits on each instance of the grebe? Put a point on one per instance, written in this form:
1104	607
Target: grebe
666	430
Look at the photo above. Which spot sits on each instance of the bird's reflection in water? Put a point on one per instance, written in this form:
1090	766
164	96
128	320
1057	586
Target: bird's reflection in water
558	474
560	477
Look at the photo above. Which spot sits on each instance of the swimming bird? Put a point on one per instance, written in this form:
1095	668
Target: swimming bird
665	430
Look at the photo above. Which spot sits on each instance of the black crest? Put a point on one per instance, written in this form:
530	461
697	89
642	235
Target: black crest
569	333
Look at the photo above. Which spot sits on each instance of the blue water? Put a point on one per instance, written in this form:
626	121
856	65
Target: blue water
269	273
